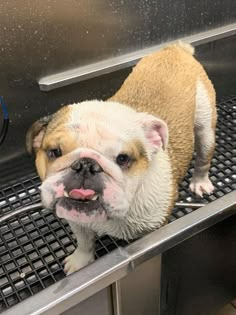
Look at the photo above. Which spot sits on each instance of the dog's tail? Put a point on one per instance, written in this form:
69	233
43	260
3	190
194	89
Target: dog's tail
188	48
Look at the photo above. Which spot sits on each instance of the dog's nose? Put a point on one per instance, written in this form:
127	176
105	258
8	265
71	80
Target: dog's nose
86	165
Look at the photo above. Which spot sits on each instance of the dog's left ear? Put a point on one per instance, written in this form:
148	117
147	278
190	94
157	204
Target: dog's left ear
35	134
156	131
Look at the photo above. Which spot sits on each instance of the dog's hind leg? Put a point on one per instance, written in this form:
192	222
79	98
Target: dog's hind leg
204	128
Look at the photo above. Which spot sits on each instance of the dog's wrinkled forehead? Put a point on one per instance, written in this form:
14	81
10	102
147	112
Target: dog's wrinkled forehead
94	124
109	116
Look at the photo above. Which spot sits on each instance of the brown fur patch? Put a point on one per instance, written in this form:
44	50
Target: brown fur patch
35	134
41	164
61	138
164	84
60	118
138	155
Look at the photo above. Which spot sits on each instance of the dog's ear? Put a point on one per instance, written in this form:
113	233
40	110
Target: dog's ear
35	134
155	130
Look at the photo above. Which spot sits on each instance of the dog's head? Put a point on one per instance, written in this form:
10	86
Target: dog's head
92	158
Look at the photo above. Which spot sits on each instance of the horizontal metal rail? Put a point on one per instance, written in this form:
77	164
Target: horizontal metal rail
39	206
82	73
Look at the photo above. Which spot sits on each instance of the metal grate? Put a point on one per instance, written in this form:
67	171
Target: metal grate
33	245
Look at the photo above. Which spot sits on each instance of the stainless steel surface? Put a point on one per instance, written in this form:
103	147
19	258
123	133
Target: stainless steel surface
189	205
140	289
116	298
78	74
174	233
40	38
98	304
77	287
112	267
219	60
75	32
199	274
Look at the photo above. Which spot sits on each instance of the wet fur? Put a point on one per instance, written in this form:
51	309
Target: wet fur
166	85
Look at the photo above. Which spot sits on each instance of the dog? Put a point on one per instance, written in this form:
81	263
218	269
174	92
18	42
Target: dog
113	167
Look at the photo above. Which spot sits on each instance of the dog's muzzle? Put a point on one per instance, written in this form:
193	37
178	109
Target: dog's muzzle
83	188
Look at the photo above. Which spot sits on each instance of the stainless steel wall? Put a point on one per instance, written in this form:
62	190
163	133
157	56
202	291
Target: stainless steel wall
41	37
199	275
99	304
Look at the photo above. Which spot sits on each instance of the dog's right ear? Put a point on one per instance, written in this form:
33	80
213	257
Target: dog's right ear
35	134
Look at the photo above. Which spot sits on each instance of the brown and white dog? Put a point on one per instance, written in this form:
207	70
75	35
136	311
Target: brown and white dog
113	167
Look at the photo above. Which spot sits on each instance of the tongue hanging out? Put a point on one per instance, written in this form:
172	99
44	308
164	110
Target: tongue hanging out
82	194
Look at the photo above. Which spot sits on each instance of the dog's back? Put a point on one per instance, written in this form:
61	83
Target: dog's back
170	84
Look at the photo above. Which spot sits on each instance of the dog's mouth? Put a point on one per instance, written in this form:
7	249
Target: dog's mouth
82	195
81	205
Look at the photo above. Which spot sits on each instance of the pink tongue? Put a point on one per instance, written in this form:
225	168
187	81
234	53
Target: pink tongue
81	193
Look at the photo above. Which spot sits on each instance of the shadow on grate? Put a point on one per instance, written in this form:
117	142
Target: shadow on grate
34	245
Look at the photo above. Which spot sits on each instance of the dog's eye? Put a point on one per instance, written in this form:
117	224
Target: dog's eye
122	160
54	153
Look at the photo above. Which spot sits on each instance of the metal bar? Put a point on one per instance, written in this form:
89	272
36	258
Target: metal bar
79	74
12	214
182	229
191	205
75	288
78	286
39	205
116	298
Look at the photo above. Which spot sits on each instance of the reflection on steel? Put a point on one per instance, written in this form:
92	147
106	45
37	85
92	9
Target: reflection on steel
189	205
39	205
12	214
116	298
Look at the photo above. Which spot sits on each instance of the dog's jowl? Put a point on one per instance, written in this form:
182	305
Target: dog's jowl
113	167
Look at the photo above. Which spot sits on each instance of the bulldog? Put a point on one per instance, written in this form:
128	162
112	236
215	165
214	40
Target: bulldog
113	167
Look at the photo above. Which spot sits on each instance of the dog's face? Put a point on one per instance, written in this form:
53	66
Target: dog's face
92	158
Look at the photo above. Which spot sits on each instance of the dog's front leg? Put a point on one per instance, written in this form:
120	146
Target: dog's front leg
84	253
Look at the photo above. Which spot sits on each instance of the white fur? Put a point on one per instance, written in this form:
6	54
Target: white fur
118	120
203	117
204	141
88	111
136	202
186	47
84	253
149	194
78	260
148	209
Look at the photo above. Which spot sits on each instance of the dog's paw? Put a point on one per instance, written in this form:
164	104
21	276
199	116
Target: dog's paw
201	185
77	260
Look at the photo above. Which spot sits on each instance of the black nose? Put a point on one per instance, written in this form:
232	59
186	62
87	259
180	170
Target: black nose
86	165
